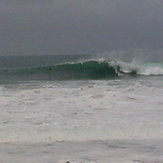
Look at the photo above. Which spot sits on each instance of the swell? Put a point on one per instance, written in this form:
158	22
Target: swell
93	69
85	70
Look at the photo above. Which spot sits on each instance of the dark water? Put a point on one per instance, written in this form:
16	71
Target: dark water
19	62
33	67
69	67
61	67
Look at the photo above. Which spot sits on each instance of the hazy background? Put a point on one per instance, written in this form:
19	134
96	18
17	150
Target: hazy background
46	27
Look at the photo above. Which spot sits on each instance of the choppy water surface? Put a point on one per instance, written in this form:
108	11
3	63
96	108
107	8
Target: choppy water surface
82	121
51	120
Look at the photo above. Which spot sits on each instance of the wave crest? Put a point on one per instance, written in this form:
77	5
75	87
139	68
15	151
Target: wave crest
92	69
85	70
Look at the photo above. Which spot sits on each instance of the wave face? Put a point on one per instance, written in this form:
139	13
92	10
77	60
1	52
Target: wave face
89	69
69	71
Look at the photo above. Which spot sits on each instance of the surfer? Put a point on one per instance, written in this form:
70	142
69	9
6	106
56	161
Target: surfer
119	71
50	69
49	74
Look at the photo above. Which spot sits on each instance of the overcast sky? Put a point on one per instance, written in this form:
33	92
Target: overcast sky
79	26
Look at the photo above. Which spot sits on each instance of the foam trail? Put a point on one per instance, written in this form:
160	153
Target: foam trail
156	70
81	111
147	68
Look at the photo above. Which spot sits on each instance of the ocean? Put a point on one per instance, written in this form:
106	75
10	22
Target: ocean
81	109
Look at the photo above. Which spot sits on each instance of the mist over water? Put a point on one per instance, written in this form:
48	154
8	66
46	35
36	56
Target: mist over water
134	55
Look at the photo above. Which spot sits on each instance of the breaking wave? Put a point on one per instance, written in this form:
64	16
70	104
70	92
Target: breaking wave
85	70
91	69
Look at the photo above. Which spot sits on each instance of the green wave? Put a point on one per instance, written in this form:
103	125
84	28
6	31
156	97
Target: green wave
85	70
69	71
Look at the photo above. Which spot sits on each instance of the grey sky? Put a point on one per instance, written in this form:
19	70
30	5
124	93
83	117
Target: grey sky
79	26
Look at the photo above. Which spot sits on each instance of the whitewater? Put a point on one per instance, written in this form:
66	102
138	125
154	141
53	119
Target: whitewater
80	110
